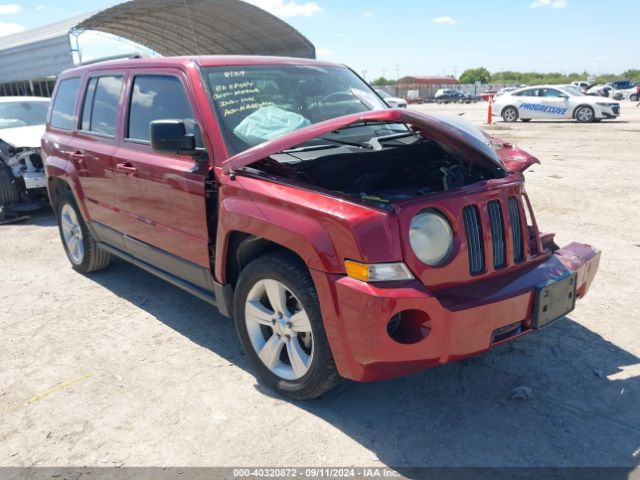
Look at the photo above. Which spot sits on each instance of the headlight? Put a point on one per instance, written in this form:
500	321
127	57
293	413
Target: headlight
431	237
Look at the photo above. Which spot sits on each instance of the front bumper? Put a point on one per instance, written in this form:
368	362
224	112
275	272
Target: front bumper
455	323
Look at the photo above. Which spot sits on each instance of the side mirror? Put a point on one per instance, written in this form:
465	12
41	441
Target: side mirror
171	136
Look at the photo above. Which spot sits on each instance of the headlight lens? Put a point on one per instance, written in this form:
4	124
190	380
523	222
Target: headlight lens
431	237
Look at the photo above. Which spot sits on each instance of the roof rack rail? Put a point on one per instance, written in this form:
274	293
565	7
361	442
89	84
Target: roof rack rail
131	56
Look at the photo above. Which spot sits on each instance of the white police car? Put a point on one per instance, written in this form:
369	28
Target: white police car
553	101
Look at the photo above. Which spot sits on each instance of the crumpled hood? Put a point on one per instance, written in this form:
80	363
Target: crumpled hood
23	137
453	132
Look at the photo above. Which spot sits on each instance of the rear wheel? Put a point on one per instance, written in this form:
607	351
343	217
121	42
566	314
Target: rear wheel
81	248
9	194
510	114
585	114
278	320
633	97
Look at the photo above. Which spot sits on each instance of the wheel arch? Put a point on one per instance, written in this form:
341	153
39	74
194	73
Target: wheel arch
509	105
56	187
244	247
578	107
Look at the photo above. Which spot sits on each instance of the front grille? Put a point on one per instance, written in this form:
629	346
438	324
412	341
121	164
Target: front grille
516	229
506	228
474	239
497	233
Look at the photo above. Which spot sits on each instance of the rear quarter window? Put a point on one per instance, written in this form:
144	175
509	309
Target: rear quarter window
64	105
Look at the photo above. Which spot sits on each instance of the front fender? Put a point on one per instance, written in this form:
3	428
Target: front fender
323	231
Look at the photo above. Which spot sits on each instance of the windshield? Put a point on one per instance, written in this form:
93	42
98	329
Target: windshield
23	114
383	94
259	103
572	90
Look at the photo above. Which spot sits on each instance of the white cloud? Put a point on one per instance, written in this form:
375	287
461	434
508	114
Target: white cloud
10	8
550	3
287	8
324	52
445	20
367	14
40	8
7	28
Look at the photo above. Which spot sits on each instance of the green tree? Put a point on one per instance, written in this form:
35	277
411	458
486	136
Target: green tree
383	81
473	75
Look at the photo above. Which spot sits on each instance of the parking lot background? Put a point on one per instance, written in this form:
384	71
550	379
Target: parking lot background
119	368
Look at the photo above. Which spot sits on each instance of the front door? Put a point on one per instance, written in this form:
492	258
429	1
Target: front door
161	197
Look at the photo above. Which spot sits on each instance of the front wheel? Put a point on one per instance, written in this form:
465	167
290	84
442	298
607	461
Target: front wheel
633	97
585	114
278	320
510	114
81	248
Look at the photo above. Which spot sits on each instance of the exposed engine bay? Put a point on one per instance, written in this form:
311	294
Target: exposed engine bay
383	172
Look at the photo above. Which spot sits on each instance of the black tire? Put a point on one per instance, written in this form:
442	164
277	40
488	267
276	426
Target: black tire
525	119
633	97
287	269
9	193
510	114
94	258
584	114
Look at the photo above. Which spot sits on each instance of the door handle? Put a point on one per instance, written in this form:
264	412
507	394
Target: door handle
79	156
126	168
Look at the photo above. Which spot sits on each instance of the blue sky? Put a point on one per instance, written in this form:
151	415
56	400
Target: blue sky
423	36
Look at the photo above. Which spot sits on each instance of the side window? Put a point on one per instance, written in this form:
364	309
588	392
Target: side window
157	97
64	105
100	108
550	92
529	93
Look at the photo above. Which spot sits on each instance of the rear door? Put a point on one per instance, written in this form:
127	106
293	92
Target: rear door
96	142
161	197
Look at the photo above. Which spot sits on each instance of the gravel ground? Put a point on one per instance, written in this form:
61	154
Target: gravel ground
120	368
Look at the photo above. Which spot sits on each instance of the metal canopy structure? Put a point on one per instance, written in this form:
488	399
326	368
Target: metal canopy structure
201	27
37	53
30	60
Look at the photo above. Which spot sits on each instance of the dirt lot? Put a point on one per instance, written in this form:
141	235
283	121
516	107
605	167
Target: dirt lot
120	368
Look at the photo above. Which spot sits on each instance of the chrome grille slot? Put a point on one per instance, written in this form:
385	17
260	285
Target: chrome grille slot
474	239
497	233
516	229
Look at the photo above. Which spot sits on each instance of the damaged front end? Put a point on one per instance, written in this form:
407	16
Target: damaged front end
22	180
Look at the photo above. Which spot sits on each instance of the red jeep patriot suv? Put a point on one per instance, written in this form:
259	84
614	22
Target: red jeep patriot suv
345	238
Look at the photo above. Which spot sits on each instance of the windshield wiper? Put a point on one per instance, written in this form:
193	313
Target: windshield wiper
308	148
342	142
374	142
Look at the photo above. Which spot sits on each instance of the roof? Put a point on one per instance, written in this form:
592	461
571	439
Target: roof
45	32
24	99
203	60
196	27
429	80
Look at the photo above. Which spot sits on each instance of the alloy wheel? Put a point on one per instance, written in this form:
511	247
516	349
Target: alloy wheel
279	329
72	234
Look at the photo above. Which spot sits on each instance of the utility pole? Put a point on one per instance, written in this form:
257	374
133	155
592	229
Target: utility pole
364	75
397	72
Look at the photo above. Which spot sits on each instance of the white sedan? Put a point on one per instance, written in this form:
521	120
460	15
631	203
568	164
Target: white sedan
393	102
553	101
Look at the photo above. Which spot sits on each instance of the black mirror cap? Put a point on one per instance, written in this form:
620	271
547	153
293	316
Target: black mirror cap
171	136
